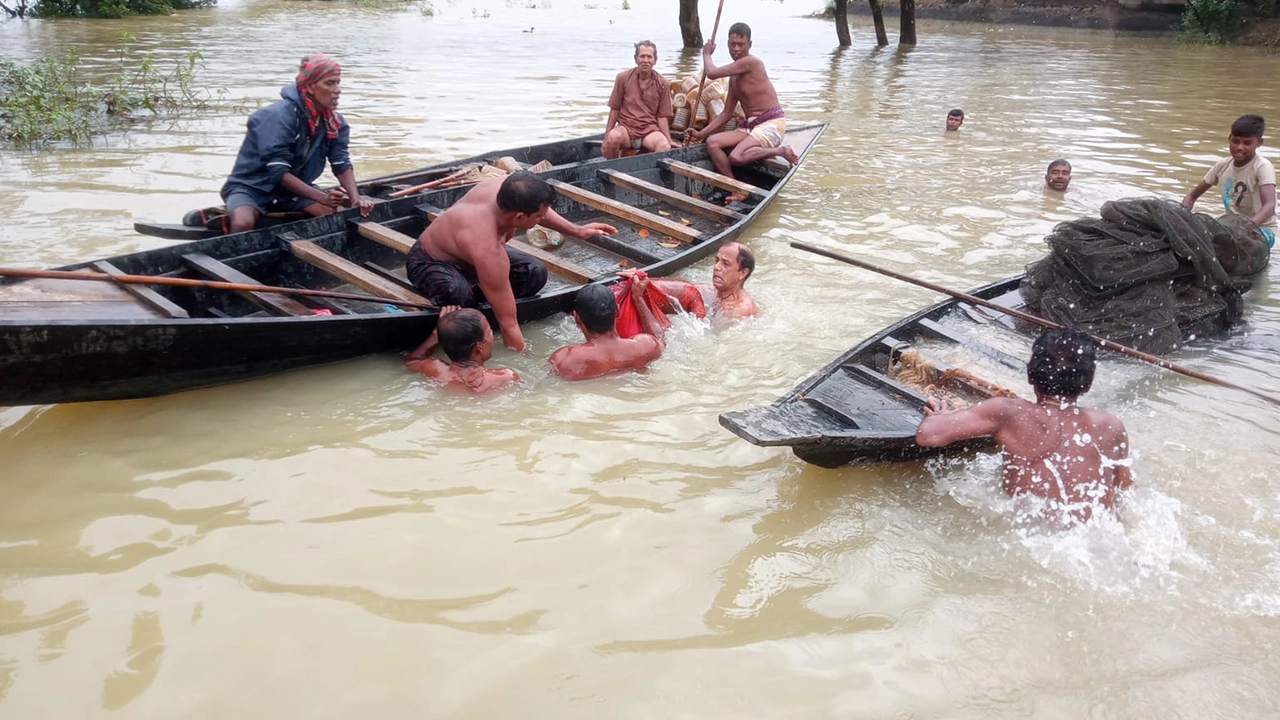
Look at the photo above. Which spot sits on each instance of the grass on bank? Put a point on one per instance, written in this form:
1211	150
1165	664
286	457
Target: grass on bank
51	100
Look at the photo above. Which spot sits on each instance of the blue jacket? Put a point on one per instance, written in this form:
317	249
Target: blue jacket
277	143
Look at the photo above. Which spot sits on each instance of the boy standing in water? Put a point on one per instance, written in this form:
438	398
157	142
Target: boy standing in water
955	119
1248	179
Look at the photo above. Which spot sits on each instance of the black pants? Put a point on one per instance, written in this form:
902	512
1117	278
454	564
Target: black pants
449	284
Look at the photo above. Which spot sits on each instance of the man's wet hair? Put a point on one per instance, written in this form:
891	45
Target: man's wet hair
524	192
1062	363
1056	163
459	332
649	44
956	112
746	261
740	29
596	308
1246	125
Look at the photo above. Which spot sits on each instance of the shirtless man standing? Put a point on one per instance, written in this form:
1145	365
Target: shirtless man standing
639	108
734	264
1074	457
765	129
604	352
462	258
467	339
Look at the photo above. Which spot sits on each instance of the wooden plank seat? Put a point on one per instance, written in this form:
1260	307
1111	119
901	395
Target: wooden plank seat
621	210
671	197
384	235
144	294
714	179
345	270
564	267
273	303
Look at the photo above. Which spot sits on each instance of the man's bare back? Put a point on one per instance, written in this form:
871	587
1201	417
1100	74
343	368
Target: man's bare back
604	351
468	233
1076	457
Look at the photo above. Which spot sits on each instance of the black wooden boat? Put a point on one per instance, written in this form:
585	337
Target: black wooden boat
69	341
863	407
208	222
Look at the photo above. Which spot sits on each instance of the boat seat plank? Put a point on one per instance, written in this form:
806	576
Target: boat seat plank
273	303
144	294
935	329
564	267
617	209
671	197
855	395
713	178
344	269
384	235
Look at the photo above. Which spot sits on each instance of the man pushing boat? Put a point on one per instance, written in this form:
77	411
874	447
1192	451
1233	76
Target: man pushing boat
462	257
764	132
1074	458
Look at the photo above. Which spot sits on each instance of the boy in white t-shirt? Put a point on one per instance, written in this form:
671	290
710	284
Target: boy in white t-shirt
1248	179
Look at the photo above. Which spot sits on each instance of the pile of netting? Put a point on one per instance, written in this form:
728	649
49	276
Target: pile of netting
1147	273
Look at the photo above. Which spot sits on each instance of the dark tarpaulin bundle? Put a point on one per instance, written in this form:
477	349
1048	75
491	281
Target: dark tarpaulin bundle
1147	273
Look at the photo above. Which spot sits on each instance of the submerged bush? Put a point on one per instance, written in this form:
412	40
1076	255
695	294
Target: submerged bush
49	99
114	8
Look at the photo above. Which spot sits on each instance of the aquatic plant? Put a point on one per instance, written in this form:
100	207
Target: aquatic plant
50	100
113	8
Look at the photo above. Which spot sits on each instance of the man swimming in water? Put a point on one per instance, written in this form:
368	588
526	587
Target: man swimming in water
734	264
467	339
1076	458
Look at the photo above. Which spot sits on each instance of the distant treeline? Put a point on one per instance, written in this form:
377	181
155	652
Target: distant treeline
97	8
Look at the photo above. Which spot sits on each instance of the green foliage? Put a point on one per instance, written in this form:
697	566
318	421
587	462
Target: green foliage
49	100
1220	21
114	8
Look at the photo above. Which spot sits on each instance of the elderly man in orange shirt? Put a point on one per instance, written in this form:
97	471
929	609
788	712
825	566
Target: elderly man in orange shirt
639	108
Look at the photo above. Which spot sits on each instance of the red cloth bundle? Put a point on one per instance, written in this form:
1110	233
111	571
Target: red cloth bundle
628	322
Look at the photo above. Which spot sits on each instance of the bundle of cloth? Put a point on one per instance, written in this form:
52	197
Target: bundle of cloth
1147	273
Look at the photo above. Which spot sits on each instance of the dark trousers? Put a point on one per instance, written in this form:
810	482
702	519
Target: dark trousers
449	284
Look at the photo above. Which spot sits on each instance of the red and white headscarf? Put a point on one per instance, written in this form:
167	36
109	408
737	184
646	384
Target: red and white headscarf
312	70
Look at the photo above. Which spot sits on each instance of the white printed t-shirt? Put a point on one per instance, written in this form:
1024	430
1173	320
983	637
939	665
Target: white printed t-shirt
1241	186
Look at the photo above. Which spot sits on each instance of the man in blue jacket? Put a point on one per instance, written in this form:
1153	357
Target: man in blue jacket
285	150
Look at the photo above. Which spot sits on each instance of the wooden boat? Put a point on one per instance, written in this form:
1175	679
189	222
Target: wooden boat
69	340
208	222
863	407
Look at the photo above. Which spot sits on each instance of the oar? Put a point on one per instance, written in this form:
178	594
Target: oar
693	111
1034	319
208	284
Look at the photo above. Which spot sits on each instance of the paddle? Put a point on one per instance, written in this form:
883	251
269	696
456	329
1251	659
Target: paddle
1034	319
208	284
702	81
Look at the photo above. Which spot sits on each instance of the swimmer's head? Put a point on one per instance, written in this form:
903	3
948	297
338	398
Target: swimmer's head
1062	363
596	309
462	333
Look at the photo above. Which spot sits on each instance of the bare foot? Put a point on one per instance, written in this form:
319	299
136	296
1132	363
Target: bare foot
789	153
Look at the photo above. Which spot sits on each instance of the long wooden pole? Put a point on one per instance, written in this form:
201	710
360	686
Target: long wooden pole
702	81
1021	315
207	284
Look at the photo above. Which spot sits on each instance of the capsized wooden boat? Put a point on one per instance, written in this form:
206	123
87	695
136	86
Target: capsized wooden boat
866	405
70	341
208	222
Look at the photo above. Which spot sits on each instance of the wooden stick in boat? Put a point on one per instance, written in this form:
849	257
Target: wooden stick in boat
1021	315
208	284
702	81
429	185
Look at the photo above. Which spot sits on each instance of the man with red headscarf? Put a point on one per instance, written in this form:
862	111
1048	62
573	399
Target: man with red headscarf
285	150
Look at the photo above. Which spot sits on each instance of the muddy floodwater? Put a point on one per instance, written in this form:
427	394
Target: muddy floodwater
349	541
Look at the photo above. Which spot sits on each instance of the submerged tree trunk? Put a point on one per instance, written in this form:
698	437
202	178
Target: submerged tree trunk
842	23
907	31
690	25
877	16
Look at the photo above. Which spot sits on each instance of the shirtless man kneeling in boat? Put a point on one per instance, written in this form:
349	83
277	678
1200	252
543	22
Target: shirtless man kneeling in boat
604	352
734	264
467	339
1075	458
764	132
462	257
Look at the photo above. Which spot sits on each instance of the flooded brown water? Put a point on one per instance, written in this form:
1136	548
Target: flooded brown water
349	541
